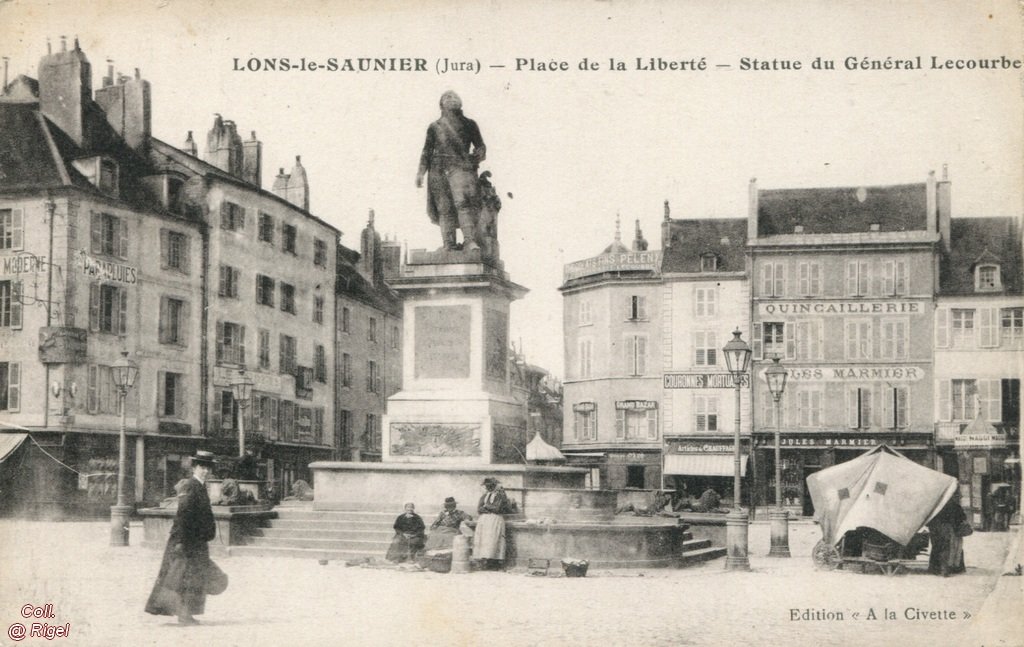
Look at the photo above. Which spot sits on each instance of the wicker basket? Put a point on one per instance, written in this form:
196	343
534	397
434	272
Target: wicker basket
575	568
880	551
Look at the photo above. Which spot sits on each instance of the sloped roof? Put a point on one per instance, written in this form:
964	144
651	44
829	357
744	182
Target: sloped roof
351	283
726	238
838	210
973	240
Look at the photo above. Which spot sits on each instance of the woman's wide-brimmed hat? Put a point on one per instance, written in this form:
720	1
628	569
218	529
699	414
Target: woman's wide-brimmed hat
490	480
204	458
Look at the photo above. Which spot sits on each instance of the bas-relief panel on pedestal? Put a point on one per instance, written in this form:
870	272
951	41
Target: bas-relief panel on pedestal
495	344
442	342
435	439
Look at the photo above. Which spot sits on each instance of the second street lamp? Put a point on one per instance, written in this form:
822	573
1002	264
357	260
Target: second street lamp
776	375
124	371
241	388
737	358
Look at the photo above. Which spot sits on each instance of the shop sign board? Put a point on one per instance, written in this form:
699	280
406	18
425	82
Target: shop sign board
838	308
704	448
854	373
979	441
636	405
703	381
620	262
100	270
22	263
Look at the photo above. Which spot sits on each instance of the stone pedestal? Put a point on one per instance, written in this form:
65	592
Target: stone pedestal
456	405
736	525
119	524
779	520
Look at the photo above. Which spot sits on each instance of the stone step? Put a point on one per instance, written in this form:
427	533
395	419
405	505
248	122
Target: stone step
695	544
337	534
701	555
307	553
335	515
360	546
311	524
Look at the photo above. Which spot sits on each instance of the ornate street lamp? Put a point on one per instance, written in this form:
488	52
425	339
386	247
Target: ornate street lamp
737	359
124	372
241	388
776	376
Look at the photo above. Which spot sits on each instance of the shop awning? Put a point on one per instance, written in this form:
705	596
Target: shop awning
703	464
9	443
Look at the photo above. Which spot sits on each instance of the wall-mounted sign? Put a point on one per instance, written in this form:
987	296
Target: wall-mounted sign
23	263
979	441
703	381
622	262
636	405
854	374
584	407
705	448
101	270
263	382
842	308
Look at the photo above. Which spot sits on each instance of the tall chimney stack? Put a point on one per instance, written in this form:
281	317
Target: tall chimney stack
65	89
752	208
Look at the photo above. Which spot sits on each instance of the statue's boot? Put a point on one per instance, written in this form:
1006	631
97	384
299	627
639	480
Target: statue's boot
469	238
448	234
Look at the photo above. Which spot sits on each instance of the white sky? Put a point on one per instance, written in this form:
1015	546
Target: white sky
574	148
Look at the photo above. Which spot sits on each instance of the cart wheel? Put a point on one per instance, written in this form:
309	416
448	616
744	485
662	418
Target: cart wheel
890	568
825	556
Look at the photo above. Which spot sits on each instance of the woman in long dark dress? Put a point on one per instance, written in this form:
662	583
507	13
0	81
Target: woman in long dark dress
409	535
444	529
946	555
179	587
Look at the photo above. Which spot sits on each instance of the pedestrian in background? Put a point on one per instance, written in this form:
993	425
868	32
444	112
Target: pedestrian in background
180	585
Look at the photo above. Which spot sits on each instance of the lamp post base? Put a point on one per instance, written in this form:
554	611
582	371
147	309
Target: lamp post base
779	520
736	524
119	524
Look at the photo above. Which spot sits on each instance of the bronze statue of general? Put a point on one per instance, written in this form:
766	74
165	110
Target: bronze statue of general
451	156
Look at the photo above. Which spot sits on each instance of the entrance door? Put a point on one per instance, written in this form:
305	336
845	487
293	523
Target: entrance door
635	476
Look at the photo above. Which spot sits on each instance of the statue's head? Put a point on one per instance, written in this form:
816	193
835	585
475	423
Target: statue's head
450	101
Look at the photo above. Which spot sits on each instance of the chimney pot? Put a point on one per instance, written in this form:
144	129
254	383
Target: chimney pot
298	159
668	211
63	43
945	171
138	75
280	171
49	47
76	43
254	135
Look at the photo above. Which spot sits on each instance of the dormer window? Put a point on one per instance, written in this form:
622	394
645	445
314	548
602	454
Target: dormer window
175	195
102	172
108	176
986	278
708	263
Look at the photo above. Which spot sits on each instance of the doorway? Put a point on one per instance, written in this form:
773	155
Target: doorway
635	476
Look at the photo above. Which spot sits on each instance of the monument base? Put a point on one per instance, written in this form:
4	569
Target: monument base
385	487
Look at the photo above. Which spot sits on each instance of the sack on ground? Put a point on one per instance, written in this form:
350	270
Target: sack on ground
216	580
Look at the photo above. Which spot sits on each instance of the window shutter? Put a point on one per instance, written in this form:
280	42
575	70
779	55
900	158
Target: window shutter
888	412
241	345
780	280
652	424
620	423
186	266
851	339
165	249
13	386
95	233
641	307
757	338
629	307
942	316
122	238
990	394
94	306
220	341
161	393
641	355
16	292
944	401
901	406
815	279
989	320
888	340
851	278
575	425
852	406
225	215
698	302
816	339
901	340
804	275
766	280
866	419
184	321
163	323
236	278
863	278
241	218
122	311
901	278
789	336
17	229
889	282
92	401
